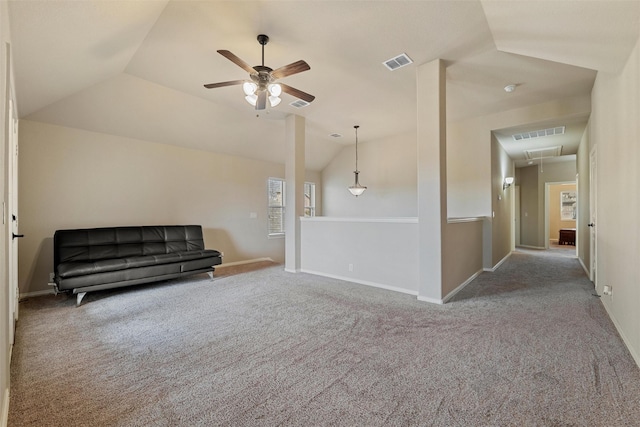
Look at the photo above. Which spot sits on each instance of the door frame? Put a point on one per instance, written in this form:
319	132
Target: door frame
11	197
593	213
547	210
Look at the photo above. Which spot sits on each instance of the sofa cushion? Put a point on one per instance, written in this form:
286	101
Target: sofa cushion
74	269
96	244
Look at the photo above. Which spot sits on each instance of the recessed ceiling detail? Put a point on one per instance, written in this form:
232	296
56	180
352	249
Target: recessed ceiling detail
543	153
539	133
397	62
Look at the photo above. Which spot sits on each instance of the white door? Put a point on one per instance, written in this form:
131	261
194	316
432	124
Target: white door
593	209
12	169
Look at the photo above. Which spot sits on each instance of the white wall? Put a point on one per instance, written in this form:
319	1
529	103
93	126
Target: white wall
381	252
614	129
387	167
71	178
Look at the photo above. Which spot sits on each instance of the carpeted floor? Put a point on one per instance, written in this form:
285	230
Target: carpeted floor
527	345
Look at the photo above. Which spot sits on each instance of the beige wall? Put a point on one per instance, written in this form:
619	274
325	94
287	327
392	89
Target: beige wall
70	178
527	178
502	200
555	221
469	173
462	246
615	131
388	169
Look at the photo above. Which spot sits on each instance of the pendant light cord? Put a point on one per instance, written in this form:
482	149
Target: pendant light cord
356	128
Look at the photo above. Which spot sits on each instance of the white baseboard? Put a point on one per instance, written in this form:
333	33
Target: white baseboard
495	267
248	261
26	295
532	247
431	300
5	409
362	282
452	293
626	341
584	267
461	287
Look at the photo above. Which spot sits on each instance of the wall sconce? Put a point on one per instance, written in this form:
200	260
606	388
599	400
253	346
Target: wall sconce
507	182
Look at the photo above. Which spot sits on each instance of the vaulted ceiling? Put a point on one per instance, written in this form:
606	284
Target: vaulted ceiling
137	68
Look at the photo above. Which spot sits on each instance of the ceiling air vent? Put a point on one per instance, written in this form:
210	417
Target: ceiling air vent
299	103
397	62
543	153
539	133
335	135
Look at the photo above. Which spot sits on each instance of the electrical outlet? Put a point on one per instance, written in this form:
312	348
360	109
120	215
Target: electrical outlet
608	290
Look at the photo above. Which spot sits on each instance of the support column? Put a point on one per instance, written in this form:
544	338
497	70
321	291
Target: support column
432	178
294	192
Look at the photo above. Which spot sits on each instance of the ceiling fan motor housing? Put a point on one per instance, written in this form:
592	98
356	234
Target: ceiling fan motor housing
263	76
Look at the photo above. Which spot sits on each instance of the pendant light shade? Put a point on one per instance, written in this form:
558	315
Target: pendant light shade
356	189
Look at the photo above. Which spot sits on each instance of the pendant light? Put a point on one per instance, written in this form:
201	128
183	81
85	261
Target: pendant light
357	189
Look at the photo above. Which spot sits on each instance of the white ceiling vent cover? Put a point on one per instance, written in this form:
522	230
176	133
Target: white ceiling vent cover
397	62
299	103
543	153
539	133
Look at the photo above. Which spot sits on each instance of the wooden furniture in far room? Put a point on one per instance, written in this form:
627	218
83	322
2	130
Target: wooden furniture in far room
567	236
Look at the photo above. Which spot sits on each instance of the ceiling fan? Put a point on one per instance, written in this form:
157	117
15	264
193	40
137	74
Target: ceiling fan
263	86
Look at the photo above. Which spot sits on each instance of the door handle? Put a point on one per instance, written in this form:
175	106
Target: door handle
14	235
591	224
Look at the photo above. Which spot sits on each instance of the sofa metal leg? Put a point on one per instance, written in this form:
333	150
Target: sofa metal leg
80	296
210	273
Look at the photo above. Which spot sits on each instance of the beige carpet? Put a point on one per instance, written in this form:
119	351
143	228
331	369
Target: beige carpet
527	345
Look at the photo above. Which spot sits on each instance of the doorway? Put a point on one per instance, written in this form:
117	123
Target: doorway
561	219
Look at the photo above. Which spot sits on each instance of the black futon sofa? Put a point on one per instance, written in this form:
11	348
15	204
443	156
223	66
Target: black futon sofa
95	259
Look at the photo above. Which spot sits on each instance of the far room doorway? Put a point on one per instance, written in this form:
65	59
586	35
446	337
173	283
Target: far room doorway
561	216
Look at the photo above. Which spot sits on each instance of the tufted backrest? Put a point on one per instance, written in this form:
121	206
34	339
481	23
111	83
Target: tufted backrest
92	244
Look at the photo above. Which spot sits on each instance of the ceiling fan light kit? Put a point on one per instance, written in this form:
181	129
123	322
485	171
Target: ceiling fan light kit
262	86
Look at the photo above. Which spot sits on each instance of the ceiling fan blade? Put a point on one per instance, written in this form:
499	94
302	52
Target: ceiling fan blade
222	84
297	93
287	70
261	103
239	62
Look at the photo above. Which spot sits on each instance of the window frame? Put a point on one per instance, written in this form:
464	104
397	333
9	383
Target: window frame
312	199
282	206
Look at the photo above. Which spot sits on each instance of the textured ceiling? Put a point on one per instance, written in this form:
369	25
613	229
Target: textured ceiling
137	68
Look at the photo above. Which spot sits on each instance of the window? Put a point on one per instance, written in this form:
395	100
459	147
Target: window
309	199
276	189
276	206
